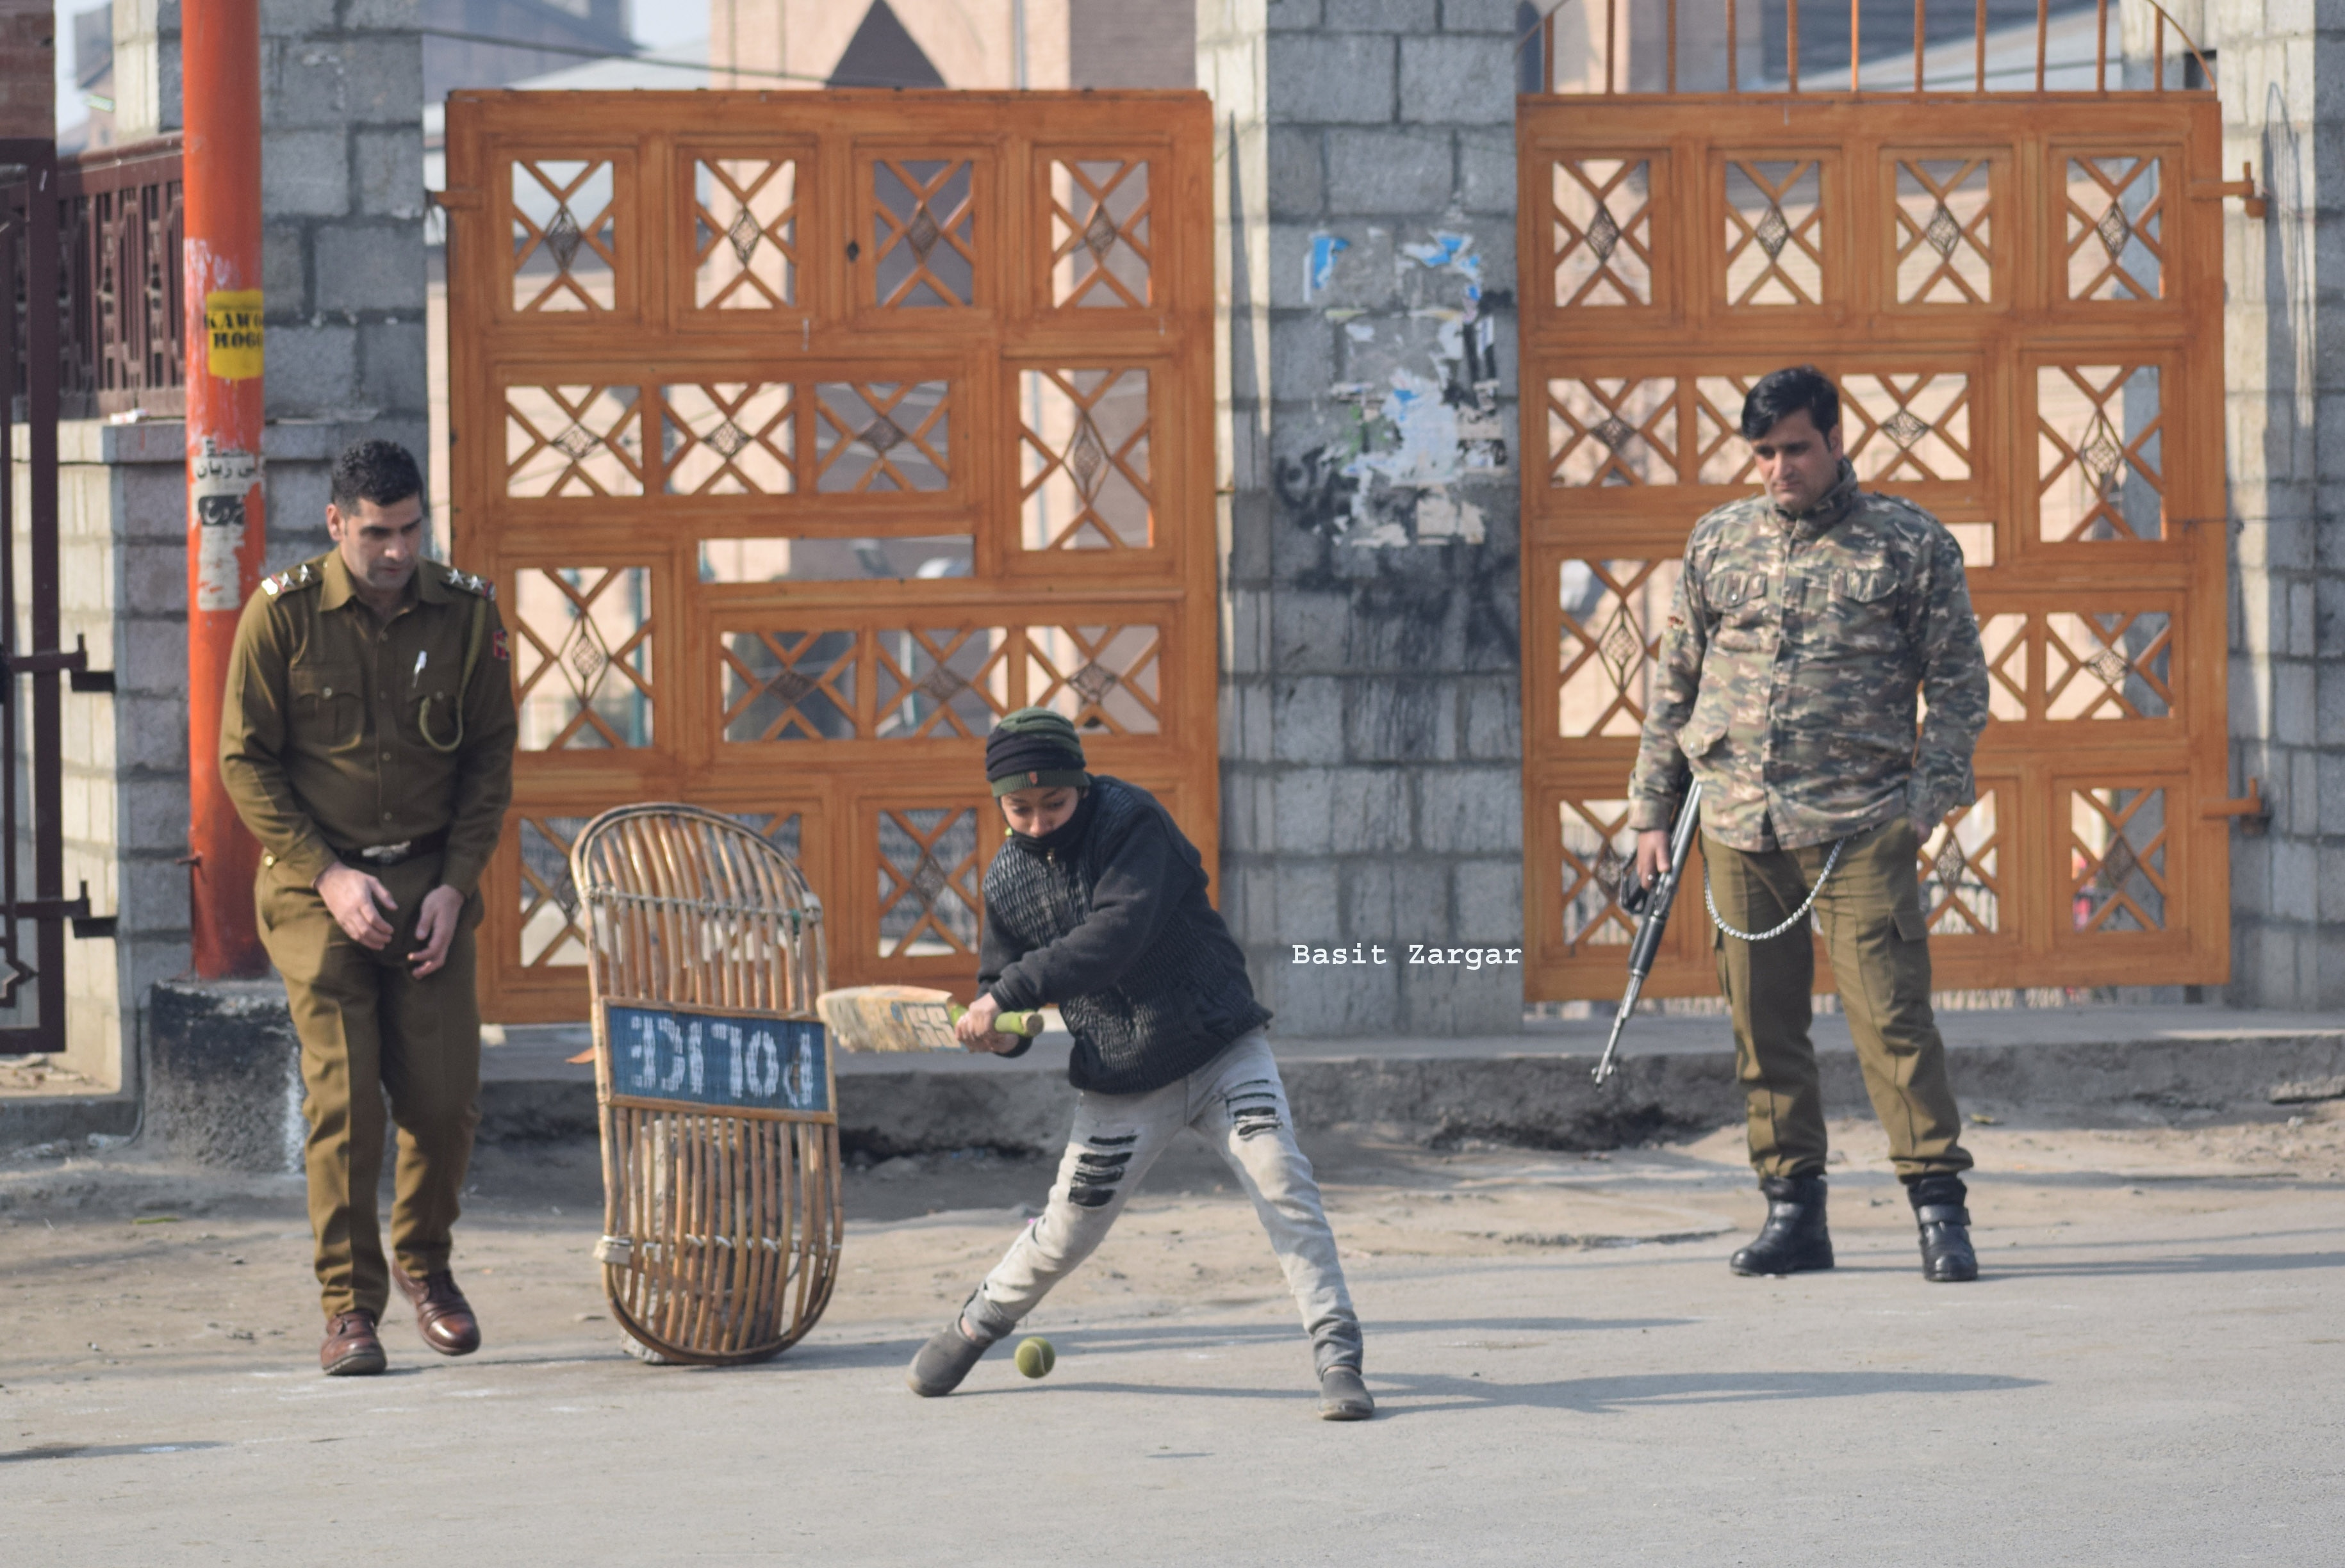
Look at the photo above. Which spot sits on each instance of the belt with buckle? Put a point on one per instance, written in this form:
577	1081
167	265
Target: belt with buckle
387	854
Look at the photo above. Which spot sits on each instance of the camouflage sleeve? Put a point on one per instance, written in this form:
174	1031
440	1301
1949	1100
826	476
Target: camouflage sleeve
484	775
253	717
1659	779
1953	686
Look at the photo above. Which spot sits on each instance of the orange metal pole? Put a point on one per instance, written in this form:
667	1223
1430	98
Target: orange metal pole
220	61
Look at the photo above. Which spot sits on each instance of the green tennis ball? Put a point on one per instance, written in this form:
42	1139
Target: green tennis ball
1035	1357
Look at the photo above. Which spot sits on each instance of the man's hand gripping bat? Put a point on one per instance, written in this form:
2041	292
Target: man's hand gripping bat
1652	906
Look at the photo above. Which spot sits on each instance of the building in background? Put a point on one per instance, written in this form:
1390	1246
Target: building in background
489	43
968	43
88	124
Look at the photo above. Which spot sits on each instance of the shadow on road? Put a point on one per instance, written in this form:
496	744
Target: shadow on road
1604	1396
99	1451
2196	1263
1425	1394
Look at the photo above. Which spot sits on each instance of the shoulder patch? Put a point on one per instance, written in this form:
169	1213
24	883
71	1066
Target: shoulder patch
469	582
292	577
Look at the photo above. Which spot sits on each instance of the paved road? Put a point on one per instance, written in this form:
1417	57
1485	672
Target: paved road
2151	1374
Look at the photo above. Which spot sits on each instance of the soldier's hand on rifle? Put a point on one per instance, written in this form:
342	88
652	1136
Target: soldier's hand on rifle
1652	855
352	897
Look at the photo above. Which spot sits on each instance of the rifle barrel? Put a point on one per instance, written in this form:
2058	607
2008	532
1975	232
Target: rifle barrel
1620	1022
1647	945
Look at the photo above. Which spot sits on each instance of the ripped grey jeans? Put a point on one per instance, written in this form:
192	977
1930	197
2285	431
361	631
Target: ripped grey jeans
1237	1102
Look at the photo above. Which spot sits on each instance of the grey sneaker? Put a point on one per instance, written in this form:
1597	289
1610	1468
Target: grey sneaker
944	1361
1342	1396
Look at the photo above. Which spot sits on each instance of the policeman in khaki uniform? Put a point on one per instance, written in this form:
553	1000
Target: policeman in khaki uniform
368	744
1806	621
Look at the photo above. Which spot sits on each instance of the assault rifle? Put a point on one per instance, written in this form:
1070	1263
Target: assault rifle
1651	906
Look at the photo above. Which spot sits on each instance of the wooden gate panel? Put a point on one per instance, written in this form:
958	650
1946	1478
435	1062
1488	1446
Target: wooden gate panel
2020	301
804	435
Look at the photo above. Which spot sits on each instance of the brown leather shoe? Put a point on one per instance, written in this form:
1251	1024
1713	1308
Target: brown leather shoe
442	1316
351	1350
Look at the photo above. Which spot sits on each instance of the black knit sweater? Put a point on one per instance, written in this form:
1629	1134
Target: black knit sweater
1106	918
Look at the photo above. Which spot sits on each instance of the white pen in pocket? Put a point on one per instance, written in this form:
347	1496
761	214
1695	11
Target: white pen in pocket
416	679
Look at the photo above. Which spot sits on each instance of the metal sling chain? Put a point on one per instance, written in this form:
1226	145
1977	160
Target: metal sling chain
1797	915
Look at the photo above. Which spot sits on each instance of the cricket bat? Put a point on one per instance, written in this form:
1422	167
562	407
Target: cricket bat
905	1019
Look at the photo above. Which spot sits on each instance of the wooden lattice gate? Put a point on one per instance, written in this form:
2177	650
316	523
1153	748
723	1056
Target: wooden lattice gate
803	433
2020	296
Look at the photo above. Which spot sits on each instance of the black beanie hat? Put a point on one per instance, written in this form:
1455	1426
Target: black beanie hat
1034	748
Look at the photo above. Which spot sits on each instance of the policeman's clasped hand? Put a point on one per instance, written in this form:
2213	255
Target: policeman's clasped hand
357	903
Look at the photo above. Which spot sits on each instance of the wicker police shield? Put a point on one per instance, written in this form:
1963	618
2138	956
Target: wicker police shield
720	1136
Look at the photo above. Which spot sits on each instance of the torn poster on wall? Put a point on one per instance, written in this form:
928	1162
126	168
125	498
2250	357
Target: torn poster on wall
1425	422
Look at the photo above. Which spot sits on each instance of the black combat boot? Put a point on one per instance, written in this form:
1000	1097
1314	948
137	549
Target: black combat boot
1946	1254
1794	1240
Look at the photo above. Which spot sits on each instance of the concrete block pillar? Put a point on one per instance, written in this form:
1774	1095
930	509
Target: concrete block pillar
2280	69
341	181
1371	739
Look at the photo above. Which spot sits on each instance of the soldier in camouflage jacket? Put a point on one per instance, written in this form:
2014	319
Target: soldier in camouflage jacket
1806	624
1789	672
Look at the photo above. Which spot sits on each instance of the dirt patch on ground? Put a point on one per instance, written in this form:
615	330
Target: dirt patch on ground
107	1258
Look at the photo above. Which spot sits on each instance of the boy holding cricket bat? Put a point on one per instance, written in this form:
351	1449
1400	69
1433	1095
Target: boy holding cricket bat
1097	906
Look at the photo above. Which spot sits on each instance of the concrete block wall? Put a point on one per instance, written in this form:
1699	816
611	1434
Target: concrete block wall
122	526
342	179
343	272
1371	749
2280	74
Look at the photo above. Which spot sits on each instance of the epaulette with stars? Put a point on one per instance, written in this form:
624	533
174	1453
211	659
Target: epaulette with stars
292	577
469	582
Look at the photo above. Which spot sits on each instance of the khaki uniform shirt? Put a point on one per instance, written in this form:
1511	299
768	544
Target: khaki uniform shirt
323	740
1788	670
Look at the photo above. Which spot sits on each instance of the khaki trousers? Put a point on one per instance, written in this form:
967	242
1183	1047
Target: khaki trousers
1874	932
369	1026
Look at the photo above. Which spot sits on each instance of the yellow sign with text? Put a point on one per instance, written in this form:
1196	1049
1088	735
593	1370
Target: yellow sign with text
232	330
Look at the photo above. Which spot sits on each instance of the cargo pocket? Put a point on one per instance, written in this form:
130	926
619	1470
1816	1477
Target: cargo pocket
1902	1002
